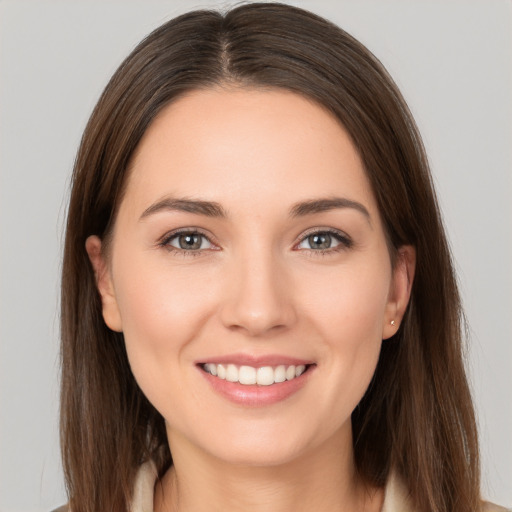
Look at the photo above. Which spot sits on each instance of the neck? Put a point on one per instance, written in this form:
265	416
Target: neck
322	479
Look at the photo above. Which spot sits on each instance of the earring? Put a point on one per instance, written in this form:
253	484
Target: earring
392	322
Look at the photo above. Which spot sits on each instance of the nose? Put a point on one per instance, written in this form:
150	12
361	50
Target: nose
258	296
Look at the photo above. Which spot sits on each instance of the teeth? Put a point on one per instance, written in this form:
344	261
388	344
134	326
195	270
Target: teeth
265	376
248	375
232	373
221	371
280	374
299	370
290	373
211	368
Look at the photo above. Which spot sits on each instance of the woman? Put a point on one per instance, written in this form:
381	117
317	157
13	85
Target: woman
259	309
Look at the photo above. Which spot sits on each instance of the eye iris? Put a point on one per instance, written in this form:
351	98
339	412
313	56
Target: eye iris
190	241
320	241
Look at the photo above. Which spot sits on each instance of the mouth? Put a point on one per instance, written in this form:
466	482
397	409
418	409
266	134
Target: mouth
256	382
251	375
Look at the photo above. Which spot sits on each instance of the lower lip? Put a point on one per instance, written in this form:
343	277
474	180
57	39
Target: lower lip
254	395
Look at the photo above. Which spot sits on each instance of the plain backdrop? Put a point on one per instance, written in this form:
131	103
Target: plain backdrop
451	59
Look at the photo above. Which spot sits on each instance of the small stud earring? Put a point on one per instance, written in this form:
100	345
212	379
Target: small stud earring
392	322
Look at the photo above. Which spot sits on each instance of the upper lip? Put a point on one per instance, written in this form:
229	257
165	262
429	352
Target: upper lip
256	361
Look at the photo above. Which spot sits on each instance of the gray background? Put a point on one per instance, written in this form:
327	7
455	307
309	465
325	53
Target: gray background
452	60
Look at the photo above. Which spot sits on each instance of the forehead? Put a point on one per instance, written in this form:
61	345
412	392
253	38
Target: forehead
244	144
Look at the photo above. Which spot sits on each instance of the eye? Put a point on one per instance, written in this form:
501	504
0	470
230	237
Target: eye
188	241
322	241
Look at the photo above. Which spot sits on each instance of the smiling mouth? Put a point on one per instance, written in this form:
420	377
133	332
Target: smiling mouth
250	375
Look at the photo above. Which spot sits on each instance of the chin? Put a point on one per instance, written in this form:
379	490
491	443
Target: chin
256	455
260	444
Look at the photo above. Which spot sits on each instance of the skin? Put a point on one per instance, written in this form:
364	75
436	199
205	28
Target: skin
257	286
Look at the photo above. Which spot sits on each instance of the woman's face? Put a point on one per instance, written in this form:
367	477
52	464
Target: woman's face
249	245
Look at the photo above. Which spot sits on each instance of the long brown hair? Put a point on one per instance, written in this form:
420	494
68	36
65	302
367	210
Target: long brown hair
416	417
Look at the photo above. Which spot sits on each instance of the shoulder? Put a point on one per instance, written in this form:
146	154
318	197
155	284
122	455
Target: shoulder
397	498
491	507
142	491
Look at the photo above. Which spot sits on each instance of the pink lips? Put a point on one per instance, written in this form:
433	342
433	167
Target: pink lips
256	361
255	395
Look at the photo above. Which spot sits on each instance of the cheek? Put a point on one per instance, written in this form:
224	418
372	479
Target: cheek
347	313
161	301
349	303
162	311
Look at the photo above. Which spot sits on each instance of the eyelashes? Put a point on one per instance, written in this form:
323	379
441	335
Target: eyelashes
325	240
187	242
192	242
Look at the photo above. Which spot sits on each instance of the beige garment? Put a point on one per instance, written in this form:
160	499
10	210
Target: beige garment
144	488
395	499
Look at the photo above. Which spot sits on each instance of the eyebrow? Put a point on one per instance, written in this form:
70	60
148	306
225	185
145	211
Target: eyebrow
213	209
312	206
206	208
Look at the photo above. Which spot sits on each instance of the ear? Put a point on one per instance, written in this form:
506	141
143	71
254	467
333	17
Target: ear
104	283
400	290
